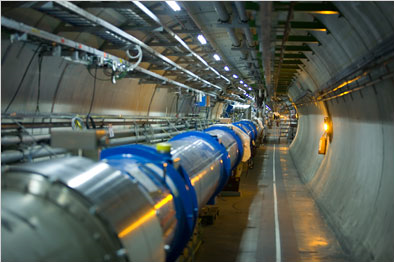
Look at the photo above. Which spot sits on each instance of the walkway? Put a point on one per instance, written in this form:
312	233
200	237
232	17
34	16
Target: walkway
274	220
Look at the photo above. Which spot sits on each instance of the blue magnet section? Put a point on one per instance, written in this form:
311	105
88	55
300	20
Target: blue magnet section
251	124
185	201
235	136
244	129
245	126
220	148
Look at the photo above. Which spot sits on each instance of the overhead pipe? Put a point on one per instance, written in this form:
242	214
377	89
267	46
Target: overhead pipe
188	8
141	138
265	21
240	6
14	140
137	204
11	156
224	18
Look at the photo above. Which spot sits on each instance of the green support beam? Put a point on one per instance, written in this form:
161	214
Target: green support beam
289	67
326	8
290	62
300	38
252	6
310	26
299	48
299	56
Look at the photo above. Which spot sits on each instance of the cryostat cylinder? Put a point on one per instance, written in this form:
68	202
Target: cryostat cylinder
230	140
73	201
205	161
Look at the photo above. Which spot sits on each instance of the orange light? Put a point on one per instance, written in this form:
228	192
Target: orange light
137	223
325	127
342	85
211	167
163	201
145	217
221	161
177	159
197	177
325	12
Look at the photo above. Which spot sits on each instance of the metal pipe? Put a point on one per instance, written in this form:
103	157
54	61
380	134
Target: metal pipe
134	139
68	124
14	140
266	16
177	38
100	22
10	156
224	17
90	50
137	204
212	42
240	6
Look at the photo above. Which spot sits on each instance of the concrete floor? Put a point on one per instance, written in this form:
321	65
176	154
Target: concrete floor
250	228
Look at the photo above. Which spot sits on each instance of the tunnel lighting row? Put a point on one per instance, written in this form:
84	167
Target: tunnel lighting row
174	5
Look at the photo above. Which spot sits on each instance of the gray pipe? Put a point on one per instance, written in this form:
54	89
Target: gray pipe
266	16
221	11
14	140
224	17
10	156
133	131
141	138
244	19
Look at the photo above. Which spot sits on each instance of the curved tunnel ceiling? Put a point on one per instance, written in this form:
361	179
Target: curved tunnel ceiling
328	59
267	46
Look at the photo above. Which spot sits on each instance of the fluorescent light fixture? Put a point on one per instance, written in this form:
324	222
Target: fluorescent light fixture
226	68
241	106
202	40
217	57
235	76
174	5
241	82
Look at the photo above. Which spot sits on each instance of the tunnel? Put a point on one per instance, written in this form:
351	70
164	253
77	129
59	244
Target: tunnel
197	131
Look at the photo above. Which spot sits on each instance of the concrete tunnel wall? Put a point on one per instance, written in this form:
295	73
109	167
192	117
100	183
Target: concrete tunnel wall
67	87
352	183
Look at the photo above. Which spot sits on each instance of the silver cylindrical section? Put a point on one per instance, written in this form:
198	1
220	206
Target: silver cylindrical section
105	194
221	11
229	142
50	222
202	163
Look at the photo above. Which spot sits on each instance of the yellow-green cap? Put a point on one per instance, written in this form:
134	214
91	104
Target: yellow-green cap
163	147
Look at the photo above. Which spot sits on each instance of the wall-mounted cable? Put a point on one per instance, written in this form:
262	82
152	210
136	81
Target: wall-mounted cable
23	78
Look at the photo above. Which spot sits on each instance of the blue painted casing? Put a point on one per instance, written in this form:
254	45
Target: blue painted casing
185	201
251	124
246	127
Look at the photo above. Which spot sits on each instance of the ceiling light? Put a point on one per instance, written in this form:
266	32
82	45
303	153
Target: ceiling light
217	58
226	68
241	82
174	5
235	76
202	40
